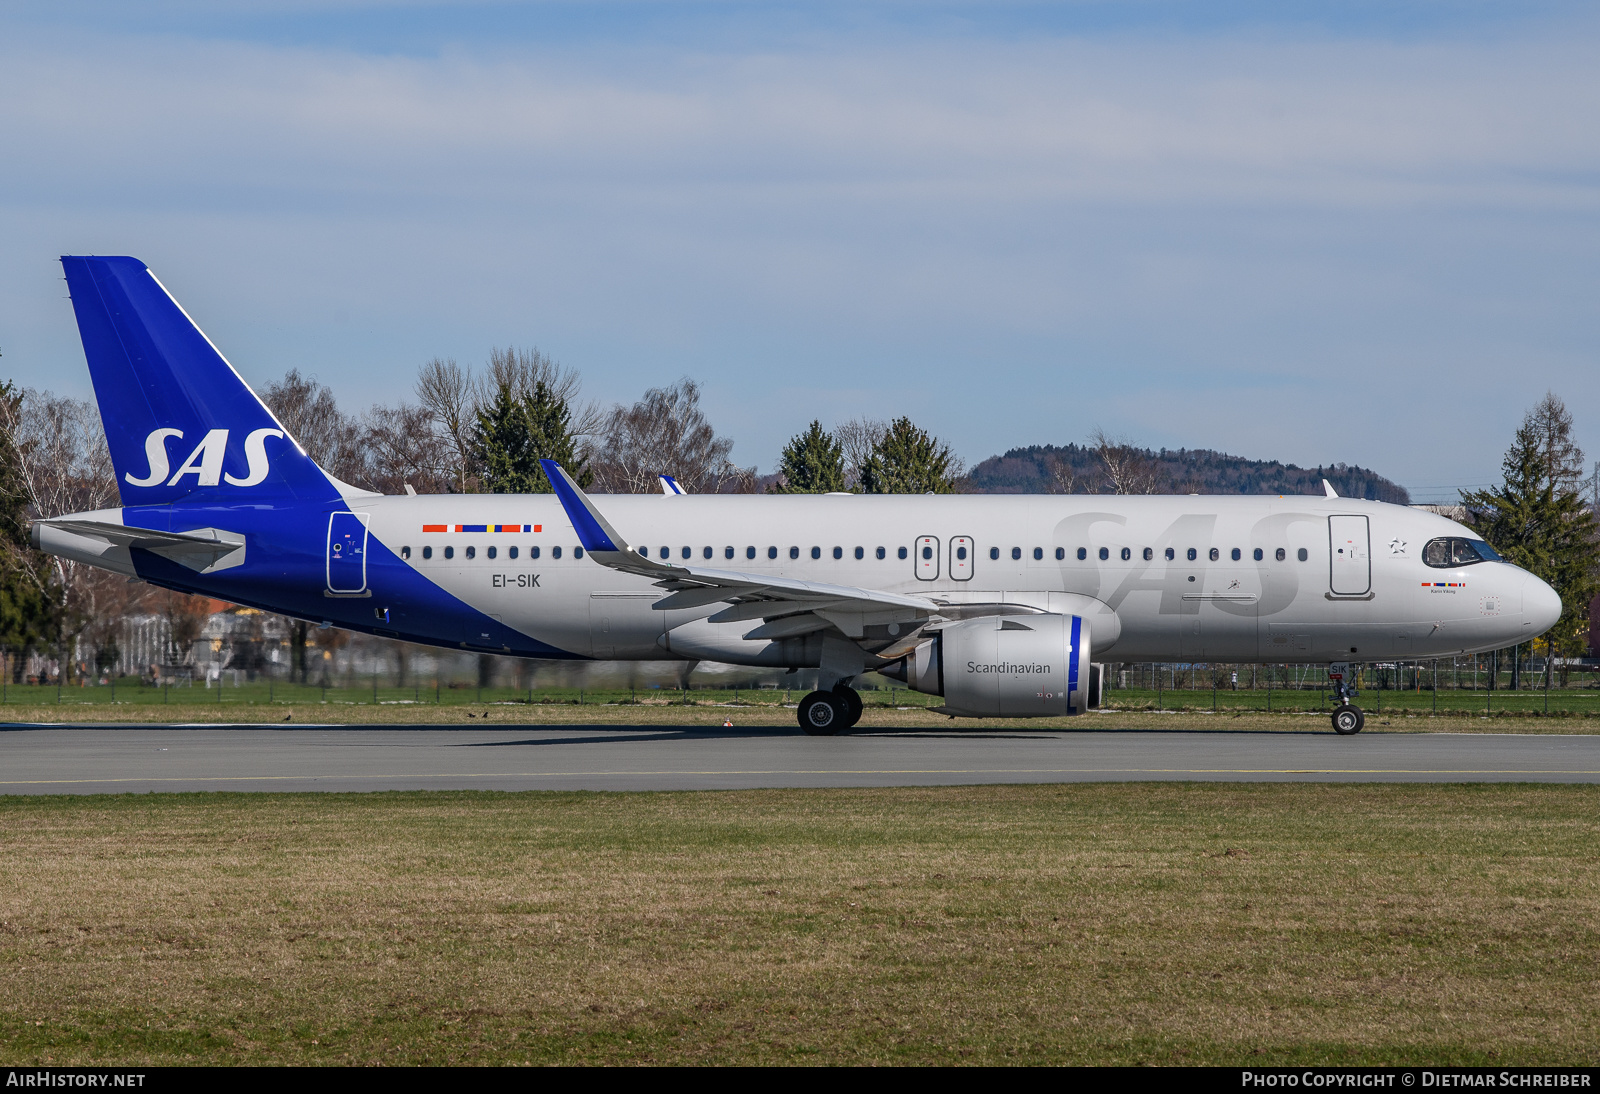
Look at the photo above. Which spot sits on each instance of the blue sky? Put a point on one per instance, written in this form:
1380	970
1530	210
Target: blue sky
1316	232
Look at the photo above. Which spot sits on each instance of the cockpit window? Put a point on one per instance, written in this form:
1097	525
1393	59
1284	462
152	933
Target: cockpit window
1448	551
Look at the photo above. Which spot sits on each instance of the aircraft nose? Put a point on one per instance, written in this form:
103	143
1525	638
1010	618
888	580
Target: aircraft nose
1541	605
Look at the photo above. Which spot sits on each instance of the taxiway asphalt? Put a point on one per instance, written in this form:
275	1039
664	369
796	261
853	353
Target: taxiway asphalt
134	759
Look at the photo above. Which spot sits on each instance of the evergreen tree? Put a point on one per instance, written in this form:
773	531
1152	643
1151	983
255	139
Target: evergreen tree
29	601
908	461
813	463
513	433
1536	518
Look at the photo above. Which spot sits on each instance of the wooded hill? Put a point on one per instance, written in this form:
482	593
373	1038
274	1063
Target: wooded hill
1036	470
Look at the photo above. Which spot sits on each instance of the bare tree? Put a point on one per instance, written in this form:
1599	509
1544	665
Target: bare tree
65	461
665	433
66	467
449	395
524	370
1129	469
858	438
401	446
1552	426
1060	475
312	416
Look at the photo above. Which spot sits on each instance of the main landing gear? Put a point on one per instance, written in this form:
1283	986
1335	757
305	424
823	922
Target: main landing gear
826	713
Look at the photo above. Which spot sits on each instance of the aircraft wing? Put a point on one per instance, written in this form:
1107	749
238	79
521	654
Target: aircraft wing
753	596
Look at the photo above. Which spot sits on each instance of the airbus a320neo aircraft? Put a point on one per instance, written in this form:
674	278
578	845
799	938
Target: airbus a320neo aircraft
1001	604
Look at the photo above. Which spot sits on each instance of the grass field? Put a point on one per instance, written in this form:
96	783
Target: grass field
1090	923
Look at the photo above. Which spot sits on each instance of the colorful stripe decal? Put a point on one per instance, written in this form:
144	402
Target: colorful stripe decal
483	527
1444	584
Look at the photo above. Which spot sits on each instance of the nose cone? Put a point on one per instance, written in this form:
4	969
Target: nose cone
1541	605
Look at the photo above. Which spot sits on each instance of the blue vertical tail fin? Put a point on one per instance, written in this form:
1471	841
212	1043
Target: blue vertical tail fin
180	422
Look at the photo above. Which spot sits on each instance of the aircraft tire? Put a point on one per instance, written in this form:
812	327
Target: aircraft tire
1348	720
853	706
822	714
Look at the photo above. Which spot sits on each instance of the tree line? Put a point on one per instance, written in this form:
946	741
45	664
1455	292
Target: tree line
484	431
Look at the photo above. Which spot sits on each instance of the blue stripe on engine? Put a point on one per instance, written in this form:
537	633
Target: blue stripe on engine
1072	665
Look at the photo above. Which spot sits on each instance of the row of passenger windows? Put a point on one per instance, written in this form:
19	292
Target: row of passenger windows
490	552
772	552
1215	554
1148	553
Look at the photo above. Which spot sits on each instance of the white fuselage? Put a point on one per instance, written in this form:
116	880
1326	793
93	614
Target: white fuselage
1360	592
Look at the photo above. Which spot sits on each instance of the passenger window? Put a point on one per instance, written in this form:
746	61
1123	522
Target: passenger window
794	552
1215	554
512	552
555	552
838	552
994	552
1038	553
727	552
961	553
688	552
1235	555
1016	553
427	552
533	552
816	552
405	552
1302	554
706	552
927	553
882	553
577	552
449	552
493	552
1170	554
1105	553
1280	554
902	552
860	553
1061	553
1193	554
666	552
1149	554
749	552
472	552
1258	554
1127	553
1083	553
772	552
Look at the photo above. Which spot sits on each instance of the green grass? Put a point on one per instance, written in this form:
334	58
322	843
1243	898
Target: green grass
1152	923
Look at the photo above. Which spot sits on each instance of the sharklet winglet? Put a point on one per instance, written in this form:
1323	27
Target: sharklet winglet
594	531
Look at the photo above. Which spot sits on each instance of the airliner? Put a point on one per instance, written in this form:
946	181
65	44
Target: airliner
1004	605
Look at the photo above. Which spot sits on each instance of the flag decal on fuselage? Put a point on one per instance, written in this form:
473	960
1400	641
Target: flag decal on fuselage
482	528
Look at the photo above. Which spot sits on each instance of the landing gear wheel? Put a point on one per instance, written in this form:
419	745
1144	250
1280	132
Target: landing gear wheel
850	699
1348	720
822	714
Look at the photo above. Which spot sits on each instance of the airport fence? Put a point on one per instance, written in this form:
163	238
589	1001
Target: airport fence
1508	683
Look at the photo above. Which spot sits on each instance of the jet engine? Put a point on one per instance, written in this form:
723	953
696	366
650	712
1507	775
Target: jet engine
1031	666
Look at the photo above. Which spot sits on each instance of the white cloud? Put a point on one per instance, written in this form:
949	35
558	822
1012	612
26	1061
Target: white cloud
1120	225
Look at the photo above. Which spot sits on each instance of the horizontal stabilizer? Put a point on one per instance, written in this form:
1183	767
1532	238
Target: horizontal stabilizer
204	550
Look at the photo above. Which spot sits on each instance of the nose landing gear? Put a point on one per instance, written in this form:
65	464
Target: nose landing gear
826	713
1347	717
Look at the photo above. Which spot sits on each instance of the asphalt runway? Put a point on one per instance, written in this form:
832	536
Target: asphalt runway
135	759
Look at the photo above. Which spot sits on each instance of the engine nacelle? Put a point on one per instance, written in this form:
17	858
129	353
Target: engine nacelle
1031	666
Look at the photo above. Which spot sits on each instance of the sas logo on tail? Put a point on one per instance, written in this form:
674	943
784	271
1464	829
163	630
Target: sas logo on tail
205	462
